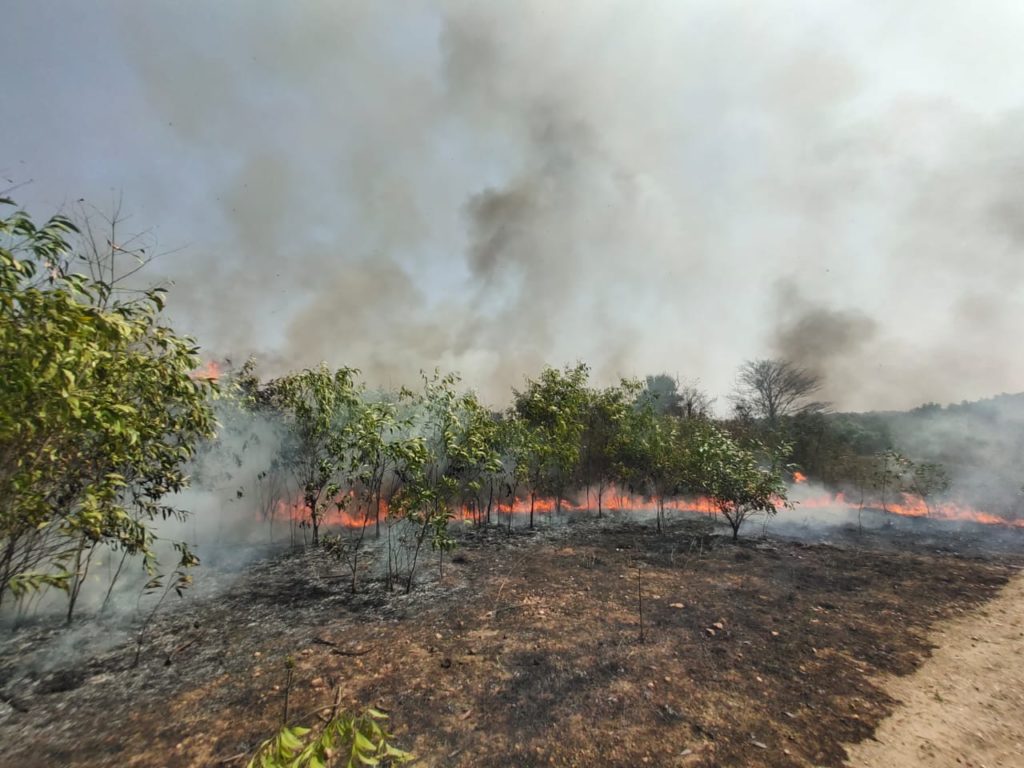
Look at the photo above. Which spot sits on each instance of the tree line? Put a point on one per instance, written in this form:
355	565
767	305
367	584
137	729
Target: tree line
104	419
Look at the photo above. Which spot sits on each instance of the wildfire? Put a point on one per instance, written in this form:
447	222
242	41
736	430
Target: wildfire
209	371
910	506
799	477
350	514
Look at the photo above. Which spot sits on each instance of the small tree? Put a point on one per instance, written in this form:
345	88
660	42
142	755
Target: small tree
733	477
317	405
607	413
928	480
554	409
343	740
650	456
99	413
891	469
453	448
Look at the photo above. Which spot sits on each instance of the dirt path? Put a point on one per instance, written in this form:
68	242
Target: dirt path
965	705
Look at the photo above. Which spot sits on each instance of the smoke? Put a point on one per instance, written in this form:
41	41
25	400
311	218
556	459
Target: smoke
835	344
491	187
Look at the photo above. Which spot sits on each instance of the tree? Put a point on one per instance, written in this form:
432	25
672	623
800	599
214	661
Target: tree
317	407
652	456
606	414
733	476
928	480
661	394
453	448
891	468
553	408
667	395
772	389
99	413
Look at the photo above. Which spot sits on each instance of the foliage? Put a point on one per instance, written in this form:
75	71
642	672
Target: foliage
316	405
553	408
651	456
99	412
741	481
444	463
345	740
608	412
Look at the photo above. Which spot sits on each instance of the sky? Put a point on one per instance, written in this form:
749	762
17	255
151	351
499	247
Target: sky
492	187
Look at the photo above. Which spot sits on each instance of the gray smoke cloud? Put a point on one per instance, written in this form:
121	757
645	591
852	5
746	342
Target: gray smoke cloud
488	187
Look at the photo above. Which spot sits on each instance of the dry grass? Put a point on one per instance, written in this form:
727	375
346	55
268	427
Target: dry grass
528	653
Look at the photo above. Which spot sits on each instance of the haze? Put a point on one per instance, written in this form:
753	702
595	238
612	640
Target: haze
491	187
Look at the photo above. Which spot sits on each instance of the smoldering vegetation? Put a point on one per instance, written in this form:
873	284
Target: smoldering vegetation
981	444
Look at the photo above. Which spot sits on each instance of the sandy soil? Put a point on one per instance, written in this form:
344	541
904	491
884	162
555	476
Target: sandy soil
965	705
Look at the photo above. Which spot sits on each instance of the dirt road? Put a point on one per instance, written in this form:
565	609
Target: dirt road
965	705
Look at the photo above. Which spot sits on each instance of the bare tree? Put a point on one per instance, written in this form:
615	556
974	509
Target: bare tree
771	389
694	403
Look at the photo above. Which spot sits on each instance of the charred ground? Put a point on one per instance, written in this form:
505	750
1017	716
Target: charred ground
527	651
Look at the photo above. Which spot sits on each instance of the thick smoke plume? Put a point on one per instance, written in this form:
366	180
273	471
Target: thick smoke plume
487	187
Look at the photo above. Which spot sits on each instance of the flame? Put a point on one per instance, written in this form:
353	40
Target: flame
210	371
799	477
910	506
348	513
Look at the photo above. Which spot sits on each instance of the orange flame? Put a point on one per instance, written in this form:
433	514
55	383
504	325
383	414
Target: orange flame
350	514
912	506
209	371
799	477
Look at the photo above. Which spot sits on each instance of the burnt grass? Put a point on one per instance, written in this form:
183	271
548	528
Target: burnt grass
526	652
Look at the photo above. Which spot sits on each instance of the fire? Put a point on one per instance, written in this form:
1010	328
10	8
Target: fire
209	371
352	515
347	513
910	506
799	477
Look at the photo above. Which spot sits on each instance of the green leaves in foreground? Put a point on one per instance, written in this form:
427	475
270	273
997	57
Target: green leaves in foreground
99	412
346	740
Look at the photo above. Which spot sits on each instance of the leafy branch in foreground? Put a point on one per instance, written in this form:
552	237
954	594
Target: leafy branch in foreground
99	413
345	740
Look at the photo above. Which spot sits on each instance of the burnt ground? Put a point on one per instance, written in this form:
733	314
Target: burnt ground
526	652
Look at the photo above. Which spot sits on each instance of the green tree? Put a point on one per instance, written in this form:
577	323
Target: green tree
553	408
740	481
607	413
99	413
651	456
317	407
451	451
